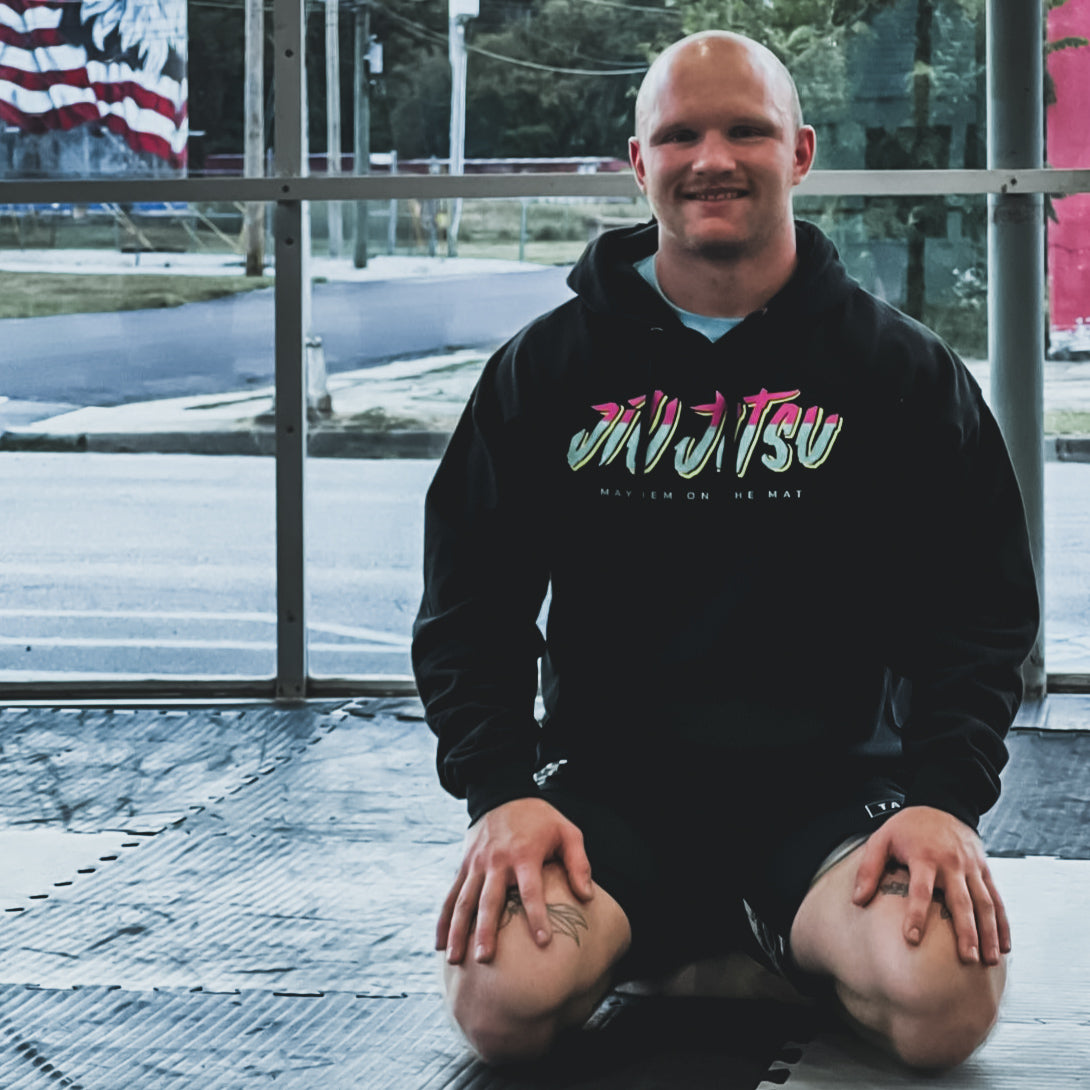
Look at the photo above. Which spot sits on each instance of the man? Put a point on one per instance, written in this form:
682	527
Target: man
790	597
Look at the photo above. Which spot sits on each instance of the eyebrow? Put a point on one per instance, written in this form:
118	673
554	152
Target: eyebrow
752	121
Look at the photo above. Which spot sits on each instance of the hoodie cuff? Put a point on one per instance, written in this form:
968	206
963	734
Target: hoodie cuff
943	790
504	785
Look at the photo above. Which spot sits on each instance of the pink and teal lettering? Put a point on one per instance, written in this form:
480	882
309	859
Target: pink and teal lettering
815	439
771	423
623	432
691	455
757	406
781	427
585	445
665	417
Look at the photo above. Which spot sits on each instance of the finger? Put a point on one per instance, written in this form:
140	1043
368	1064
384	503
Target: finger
577	865
987	923
461	922
872	862
489	906
531	892
442	929
965	918
921	884
1002	922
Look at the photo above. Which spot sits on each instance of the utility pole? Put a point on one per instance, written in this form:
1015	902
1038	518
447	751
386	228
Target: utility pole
460	12
333	118
367	60
254	139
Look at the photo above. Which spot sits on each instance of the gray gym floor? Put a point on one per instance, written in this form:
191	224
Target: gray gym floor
245	896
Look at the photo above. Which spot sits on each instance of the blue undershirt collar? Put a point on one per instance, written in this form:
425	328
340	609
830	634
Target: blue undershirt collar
712	328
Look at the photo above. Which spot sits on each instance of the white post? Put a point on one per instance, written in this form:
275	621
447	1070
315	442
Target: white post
460	12
333	118
254	138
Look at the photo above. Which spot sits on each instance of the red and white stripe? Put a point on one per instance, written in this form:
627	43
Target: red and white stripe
48	83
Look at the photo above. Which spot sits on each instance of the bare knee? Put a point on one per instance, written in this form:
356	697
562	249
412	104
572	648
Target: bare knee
504	1017
920	1002
511	1008
943	1015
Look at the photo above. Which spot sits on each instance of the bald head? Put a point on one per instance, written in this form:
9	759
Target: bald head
726	48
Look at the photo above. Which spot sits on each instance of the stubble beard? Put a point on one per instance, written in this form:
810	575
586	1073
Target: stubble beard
749	245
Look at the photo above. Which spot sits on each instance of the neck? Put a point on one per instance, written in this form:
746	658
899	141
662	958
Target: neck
723	287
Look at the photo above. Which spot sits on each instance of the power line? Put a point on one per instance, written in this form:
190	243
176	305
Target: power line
441	39
633	7
435	36
552	68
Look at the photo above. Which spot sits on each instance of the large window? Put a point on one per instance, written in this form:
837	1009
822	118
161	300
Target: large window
196	273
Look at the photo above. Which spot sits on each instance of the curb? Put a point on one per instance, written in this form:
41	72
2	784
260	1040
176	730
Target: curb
1067	448
322	443
259	441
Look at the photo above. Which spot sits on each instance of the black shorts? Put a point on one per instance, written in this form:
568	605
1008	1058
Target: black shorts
716	856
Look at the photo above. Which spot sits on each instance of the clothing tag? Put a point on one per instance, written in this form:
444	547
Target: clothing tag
885	806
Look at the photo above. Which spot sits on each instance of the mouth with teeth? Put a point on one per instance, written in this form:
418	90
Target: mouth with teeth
732	194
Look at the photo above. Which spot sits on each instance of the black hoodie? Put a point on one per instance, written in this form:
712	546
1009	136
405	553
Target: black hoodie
804	540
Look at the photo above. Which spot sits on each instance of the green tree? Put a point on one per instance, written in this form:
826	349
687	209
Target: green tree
215	79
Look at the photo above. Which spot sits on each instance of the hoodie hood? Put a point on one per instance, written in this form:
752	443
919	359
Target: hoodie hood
604	277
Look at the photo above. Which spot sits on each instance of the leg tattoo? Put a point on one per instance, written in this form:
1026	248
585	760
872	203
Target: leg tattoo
896	886
566	919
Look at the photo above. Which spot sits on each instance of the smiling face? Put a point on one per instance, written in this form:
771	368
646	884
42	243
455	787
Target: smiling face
719	146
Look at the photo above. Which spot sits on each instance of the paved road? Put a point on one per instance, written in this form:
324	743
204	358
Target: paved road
163	565
227	345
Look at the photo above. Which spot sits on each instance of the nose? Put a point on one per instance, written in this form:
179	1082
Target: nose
715	155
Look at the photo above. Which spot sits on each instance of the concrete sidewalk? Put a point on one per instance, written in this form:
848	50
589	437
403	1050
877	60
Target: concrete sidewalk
405	408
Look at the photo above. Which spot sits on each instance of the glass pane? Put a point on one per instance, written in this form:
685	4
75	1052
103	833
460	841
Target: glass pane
402	341
1067	567
1067	430
1067	87
1068	226
134	350
366	493
91	89
552	80
928	256
149	239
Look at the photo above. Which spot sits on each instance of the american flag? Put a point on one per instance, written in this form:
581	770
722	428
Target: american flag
120	64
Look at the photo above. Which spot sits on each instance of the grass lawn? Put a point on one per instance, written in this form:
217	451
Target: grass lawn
1067	423
39	295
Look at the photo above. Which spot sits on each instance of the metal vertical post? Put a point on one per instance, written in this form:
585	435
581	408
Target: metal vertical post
292	258
460	11
1016	264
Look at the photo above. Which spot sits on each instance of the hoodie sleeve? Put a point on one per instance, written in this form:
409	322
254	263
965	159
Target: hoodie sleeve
969	600
475	640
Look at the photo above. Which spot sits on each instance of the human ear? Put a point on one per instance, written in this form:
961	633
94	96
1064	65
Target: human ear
805	144
636	159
